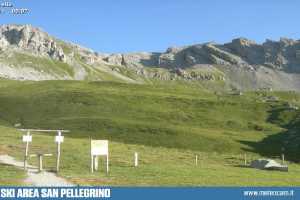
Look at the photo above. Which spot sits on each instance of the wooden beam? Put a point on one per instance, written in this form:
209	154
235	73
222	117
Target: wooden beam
43	130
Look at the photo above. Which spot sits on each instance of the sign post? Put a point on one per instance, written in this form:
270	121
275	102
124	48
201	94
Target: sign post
26	138
96	162
99	148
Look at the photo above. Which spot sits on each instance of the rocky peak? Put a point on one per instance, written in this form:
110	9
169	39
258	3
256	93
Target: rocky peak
173	50
242	42
287	42
28	38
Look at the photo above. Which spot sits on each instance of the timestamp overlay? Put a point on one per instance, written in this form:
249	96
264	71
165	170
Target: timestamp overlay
11	8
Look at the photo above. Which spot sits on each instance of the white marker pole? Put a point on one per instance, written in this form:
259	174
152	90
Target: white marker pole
136	161
58	153
26	151
196	160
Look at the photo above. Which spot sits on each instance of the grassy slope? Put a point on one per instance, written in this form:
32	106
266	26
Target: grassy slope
11	176
56	68
167	124
52	67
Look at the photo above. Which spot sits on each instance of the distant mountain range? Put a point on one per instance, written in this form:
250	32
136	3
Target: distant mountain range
28	53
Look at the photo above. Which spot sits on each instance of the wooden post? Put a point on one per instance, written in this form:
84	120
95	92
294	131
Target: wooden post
26	152
92	157
136	161
201	158
92	163
96	162
58	153
282	158
107	164
40	162
245	159
196	160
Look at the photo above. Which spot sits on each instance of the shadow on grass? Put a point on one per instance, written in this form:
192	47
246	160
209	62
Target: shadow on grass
242	166
286	142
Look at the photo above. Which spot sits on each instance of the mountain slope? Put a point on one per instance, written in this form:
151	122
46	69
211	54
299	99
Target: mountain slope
28	53
167	124
170	115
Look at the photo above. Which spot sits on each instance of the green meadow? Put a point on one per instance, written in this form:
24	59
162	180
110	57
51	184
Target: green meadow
168	124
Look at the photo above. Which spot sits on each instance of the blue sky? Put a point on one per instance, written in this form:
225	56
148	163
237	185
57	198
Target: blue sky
153	25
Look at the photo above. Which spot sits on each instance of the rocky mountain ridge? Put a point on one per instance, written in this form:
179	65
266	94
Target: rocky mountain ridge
241	63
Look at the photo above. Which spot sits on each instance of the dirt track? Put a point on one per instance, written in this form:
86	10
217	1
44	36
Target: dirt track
35	178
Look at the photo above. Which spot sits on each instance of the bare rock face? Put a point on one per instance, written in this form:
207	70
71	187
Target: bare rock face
280	55
3	43
248	50
32	39
140	59
132	60
240	53
168	60
114	59
298	55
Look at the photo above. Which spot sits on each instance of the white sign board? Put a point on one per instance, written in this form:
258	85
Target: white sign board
59	139
27	138
99	147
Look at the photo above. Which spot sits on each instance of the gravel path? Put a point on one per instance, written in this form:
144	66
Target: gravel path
35	178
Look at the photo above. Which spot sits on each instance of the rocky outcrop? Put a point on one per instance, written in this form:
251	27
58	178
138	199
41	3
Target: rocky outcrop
114	59
280	55
247	50
32	39
140	59
268	164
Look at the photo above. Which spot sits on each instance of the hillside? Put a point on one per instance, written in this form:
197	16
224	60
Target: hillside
170	121
28	53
